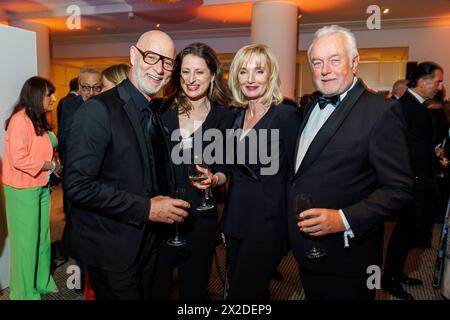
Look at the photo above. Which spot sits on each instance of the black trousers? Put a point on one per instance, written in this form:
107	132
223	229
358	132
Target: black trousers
334	287
194	260
412	229
402	240
132	284
251	264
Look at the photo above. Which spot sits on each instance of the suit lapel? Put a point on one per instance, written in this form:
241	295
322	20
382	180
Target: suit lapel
130	109
330	127
238	123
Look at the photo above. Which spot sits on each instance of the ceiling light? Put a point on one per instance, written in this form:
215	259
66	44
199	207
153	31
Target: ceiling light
386	10
300	16
158	25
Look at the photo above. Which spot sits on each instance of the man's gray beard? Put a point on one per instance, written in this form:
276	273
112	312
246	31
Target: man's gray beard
141	84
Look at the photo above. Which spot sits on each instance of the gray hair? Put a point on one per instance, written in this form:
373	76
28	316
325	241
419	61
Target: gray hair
89	70
335	29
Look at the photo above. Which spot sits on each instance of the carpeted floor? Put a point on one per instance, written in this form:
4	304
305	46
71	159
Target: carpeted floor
420	265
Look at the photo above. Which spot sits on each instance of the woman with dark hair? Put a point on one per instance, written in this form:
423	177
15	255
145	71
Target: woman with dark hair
198	102
27	165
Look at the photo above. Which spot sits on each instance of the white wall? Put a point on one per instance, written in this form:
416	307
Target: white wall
121	48
18	62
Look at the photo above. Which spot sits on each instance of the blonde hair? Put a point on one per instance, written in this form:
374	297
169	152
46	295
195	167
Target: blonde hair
116	73
273	93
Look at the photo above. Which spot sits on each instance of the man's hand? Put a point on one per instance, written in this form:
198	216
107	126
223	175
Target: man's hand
168	210
319	222
439	152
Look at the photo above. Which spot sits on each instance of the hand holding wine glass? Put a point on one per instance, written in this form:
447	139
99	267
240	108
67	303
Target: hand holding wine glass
303	202
198	172
179	193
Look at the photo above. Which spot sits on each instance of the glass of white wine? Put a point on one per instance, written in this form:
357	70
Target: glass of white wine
196	177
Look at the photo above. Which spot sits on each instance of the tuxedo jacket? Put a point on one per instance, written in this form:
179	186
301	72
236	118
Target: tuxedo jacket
357	162
420	140
67	110
420	137
108	181
257	204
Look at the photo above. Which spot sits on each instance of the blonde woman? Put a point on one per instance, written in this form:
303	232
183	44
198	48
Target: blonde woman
254	221
114	75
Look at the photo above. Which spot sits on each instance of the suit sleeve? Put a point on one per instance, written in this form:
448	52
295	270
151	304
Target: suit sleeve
85	154
63	126
389	158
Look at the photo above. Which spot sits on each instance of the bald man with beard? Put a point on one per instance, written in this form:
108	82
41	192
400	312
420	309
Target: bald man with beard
118	177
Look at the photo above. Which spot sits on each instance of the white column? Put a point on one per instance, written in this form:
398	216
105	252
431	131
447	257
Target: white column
42	44
275	24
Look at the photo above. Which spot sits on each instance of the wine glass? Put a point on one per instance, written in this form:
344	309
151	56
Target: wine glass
302	202
179	193
196	177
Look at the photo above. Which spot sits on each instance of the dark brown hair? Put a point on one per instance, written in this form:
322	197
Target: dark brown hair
219	94
31	98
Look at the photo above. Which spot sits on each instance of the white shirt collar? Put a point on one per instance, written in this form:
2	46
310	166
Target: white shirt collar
418	97
342	95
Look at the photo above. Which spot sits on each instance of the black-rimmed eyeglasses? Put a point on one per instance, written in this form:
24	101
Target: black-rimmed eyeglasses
152	58
87	88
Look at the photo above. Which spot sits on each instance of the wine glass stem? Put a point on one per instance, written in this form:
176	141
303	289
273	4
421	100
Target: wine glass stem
203	197
176	231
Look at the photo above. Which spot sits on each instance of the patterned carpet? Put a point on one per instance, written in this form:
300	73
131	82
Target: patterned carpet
420	265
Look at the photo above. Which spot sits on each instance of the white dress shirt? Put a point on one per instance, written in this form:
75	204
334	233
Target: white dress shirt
316	120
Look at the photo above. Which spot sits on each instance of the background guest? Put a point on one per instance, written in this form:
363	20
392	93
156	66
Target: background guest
73	92
440	140
90	84
415	219
114	75
399	88
27	165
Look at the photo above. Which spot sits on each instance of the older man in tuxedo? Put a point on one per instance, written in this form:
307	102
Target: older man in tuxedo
118	177
352	161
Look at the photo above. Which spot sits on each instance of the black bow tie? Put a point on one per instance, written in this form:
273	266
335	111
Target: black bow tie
324	101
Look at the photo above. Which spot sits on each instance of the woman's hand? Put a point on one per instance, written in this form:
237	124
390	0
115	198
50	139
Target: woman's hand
210	181
58	169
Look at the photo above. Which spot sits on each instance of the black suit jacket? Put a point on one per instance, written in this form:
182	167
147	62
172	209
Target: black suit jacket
68	108
70	95
257	204
358	162
420	141
108	180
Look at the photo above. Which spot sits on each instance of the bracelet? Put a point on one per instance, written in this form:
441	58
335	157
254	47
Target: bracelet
53	167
